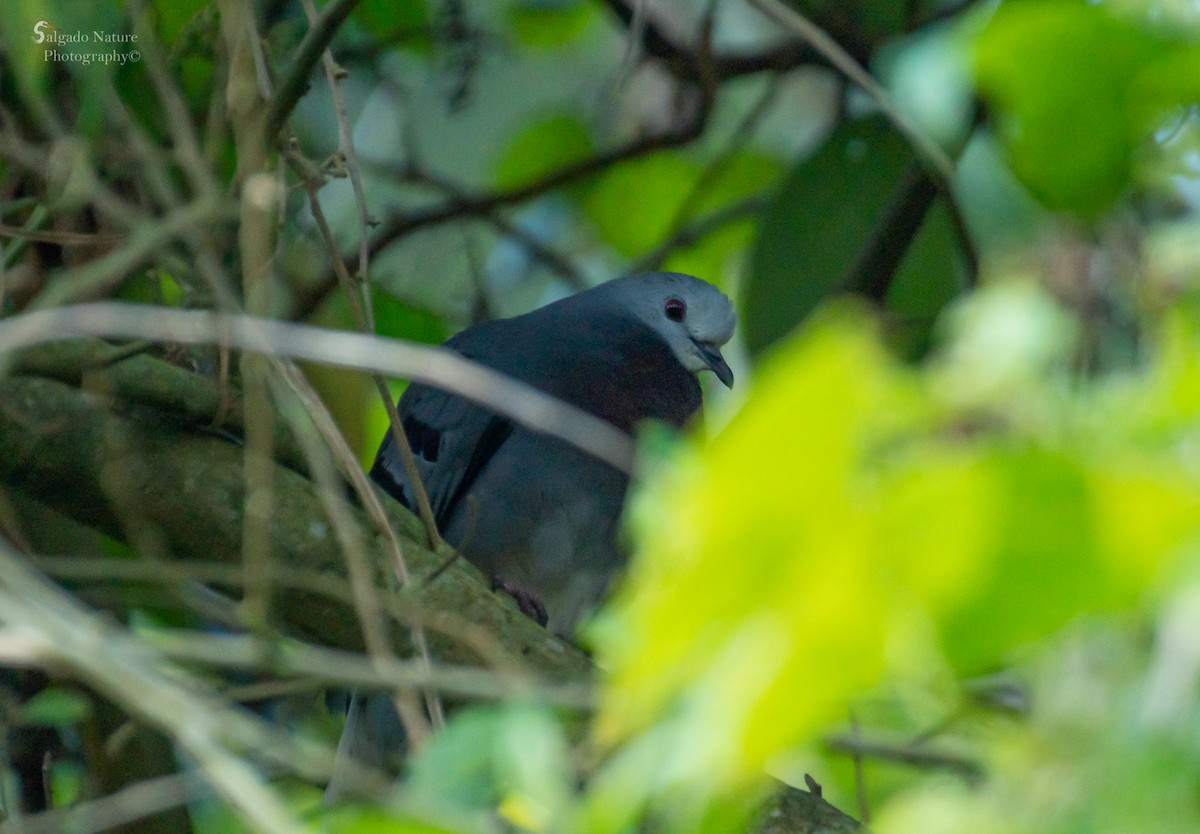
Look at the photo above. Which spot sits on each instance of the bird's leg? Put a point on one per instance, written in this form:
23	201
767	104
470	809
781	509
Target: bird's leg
530	603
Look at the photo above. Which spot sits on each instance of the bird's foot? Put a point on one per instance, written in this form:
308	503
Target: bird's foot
530	604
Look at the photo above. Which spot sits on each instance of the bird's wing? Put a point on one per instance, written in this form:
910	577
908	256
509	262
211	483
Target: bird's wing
451	439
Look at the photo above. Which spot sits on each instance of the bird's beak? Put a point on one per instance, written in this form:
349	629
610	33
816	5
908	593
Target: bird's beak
716	362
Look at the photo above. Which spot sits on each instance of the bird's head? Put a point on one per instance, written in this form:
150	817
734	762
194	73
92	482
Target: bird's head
693	317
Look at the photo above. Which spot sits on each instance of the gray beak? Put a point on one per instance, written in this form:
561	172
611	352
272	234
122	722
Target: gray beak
716	362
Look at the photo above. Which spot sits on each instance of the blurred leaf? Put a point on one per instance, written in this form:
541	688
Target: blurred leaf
1043	552
373	820
637	205
382	18
56	707
1002	346
541	147
152	287
634	204
1097	730
742	175
799	595
929	278
511	759
1001	214
212	816
857	523
398	320
196	75
929	75
173	15
856	22
1074	90
550	23
824	216
67	783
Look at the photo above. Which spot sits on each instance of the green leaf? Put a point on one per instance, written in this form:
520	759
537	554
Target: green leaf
744	630
859	525
637	205
541	147
382	18
741	176
856	21
353	819
395	318
511	759
1069	84
633	205
826	212
928	279
1043	552
56	707
538	23
173	15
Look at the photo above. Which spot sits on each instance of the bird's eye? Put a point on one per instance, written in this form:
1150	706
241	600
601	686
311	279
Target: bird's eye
675	309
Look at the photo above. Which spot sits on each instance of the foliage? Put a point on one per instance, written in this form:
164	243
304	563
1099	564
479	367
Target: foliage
940	551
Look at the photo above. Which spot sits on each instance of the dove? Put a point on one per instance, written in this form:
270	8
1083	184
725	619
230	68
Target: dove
535	514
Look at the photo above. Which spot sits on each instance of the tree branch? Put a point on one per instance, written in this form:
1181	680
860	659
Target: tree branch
295	79
110	470
684	63
464	204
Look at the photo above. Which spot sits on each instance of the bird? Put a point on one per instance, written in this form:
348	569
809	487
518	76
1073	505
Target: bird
537	516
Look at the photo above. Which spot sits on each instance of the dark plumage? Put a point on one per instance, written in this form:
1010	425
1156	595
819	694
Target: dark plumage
544	514
531	511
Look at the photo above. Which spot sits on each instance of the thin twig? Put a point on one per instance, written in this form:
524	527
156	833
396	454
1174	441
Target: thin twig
425	510
434	366
333	75
147	686
366	601
107	272
940	166
295	78
127	805
469	204
682	62
257	203
295	658
698	229
917	756
713	170
482	643
555	261
62	238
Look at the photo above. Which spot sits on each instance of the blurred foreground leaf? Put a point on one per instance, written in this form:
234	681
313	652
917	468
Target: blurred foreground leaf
56	707
827	233
1075	91
859	523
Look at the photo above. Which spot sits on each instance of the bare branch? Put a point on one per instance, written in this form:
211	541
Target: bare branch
684	63
295	79
939	165
434	366
148	686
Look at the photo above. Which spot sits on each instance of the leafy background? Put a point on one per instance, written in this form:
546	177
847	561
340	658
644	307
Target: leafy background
938	550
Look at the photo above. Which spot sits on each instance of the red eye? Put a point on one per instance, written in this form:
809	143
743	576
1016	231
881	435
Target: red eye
675	309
